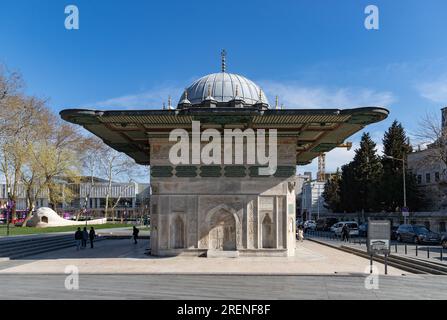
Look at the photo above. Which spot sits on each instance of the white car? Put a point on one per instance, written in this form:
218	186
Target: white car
334	226
352	226
310	224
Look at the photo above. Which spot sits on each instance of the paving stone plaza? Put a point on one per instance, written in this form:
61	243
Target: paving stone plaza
117	269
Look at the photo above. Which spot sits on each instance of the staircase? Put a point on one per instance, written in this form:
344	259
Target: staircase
20	247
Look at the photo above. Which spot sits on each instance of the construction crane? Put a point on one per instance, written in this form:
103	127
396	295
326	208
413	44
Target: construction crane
322	161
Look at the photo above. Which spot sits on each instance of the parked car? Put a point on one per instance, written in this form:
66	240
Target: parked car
417	234
352	226
310	224
333	227
363	230
326	223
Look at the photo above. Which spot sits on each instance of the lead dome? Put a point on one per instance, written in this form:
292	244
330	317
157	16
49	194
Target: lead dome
224	87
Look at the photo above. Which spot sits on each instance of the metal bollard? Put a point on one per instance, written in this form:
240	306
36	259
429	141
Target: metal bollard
416	250
405	248
442	249
428	252
395	247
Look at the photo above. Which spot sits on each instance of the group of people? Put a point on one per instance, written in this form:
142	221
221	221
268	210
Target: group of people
83	236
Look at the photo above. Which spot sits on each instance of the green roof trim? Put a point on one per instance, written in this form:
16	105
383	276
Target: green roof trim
186	171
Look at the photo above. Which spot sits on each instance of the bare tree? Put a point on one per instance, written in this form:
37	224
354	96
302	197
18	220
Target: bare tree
433	135
113	165
59	156
91	163
17	136
32	178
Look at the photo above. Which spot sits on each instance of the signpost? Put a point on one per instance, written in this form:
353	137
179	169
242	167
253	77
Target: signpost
379	240
405	214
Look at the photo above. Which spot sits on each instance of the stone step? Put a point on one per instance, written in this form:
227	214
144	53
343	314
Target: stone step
18	248
4	242
23	251
32	242
222	254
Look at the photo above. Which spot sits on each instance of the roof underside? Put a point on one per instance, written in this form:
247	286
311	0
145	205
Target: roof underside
317	130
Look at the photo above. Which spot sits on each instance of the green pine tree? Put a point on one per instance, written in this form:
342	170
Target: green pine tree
367	174
349	201
331	192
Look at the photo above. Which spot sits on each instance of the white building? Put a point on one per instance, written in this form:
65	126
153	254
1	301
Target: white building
312	201
132	197
301	179
431	173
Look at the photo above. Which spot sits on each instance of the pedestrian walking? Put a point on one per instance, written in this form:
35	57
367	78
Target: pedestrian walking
300	233
135	234
345	233
92	235
78	238
84	237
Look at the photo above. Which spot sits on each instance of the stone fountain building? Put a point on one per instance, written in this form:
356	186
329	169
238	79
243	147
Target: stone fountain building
226	209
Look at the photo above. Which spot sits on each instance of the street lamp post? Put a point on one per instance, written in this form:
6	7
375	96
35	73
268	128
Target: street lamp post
318	203
85	209
9	206
125	211
404	183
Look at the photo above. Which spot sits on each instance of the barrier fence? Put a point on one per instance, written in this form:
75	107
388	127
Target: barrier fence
425	251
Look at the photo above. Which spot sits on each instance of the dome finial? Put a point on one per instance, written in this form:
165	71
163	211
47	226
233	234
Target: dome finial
223	55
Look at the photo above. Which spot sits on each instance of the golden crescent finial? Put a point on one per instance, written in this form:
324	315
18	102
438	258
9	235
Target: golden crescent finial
223	55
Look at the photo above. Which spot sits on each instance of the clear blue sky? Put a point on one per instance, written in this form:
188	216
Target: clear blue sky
311	53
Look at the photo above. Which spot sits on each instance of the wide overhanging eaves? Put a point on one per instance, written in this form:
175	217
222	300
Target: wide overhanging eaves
317	130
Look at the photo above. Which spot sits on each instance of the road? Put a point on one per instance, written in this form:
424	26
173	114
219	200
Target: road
204	287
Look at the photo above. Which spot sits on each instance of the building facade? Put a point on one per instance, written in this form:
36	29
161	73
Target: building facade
431	172
312	204
131	200
301	179
223	207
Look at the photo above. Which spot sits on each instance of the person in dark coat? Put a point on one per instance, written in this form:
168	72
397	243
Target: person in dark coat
92	235
135	234
84	237
78	238
345	233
